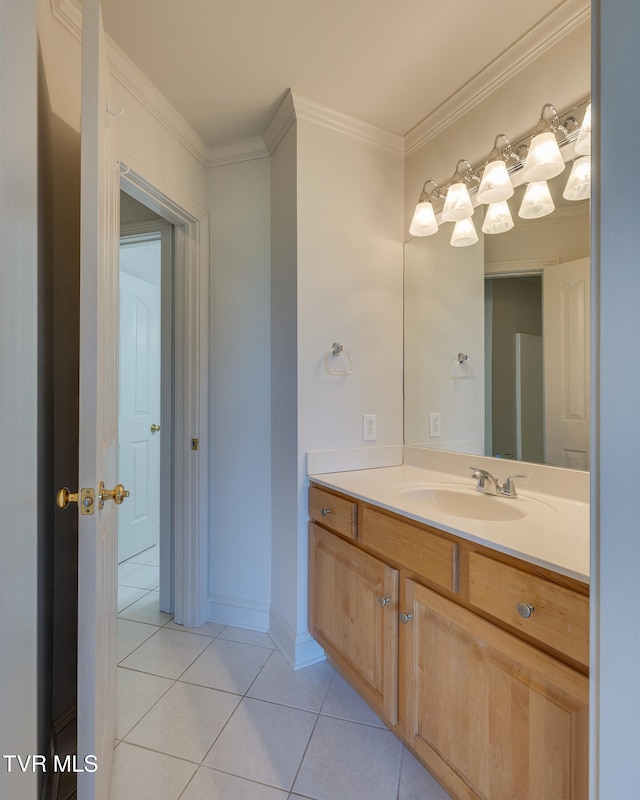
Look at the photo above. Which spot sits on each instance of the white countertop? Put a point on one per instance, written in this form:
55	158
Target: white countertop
553	533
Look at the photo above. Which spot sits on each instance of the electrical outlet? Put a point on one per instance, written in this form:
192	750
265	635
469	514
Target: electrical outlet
369	428
435	427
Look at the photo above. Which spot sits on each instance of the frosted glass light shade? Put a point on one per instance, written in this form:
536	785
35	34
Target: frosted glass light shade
583	142
544	160
457	204
537	201
464	233
579	184
495	184
424	220
498	218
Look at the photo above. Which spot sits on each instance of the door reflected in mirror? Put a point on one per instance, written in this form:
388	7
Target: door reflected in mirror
517	305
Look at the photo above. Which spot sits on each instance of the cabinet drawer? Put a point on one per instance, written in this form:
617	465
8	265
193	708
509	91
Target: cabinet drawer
336	513
428	555
558	617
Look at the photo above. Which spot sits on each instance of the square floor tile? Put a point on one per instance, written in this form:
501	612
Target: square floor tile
344	702
125	568
185	721
349	761
140	774
416	783
143	576
230	666
131	635
128	595
263	742
167	653
305	688
209	784
147	609
137	692
247	636
210	629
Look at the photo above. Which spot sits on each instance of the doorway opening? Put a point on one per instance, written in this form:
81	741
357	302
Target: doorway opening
514	388
145	438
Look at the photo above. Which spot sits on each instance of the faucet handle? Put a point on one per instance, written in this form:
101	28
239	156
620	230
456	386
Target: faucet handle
509	487
478	473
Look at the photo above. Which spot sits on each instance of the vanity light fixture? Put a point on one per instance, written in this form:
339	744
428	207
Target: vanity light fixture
457	204
579	184
530	160
424	222
583	142
544	160
498	218
464	233
496	183
537	201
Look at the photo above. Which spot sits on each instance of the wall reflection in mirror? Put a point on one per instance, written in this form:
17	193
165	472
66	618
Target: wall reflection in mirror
517	306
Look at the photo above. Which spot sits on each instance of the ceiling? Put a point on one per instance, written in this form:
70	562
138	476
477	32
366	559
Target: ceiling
225	65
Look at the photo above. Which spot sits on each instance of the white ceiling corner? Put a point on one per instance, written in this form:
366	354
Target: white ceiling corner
560	21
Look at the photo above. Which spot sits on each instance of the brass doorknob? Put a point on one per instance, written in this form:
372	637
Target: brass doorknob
155	428
117	495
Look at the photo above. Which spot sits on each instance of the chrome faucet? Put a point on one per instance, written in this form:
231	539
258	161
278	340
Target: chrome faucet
488	484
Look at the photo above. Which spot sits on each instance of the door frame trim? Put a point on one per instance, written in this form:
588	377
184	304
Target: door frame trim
191	392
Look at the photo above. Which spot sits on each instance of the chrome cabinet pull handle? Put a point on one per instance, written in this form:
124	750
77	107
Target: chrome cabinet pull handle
404	618
326	511
383	601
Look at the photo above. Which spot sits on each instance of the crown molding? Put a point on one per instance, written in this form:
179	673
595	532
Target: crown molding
296	106
69	15
282	120
234	152
313	111
558	24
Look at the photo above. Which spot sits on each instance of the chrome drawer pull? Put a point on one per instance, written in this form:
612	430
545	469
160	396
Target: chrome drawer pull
525	609
326	511
404	618
383	601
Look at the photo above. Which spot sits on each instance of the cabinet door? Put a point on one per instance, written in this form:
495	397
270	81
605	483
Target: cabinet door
494	717
353	614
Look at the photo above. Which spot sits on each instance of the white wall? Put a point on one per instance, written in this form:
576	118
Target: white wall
240	398
19	466
345	285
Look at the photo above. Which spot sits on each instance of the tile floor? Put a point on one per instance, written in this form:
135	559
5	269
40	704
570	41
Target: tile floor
215	713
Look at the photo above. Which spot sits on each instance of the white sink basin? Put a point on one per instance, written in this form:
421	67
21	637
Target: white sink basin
464	501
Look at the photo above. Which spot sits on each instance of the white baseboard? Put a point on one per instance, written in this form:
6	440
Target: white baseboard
299	650
238	613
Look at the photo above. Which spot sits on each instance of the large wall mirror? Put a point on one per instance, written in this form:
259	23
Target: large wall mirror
497	339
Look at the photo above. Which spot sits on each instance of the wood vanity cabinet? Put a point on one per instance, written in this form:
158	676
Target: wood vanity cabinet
353	614
425	627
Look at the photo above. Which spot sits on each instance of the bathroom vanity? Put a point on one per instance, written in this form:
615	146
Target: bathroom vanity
463	621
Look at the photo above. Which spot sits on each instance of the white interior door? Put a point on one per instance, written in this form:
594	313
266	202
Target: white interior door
565	290
97	533
140	360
